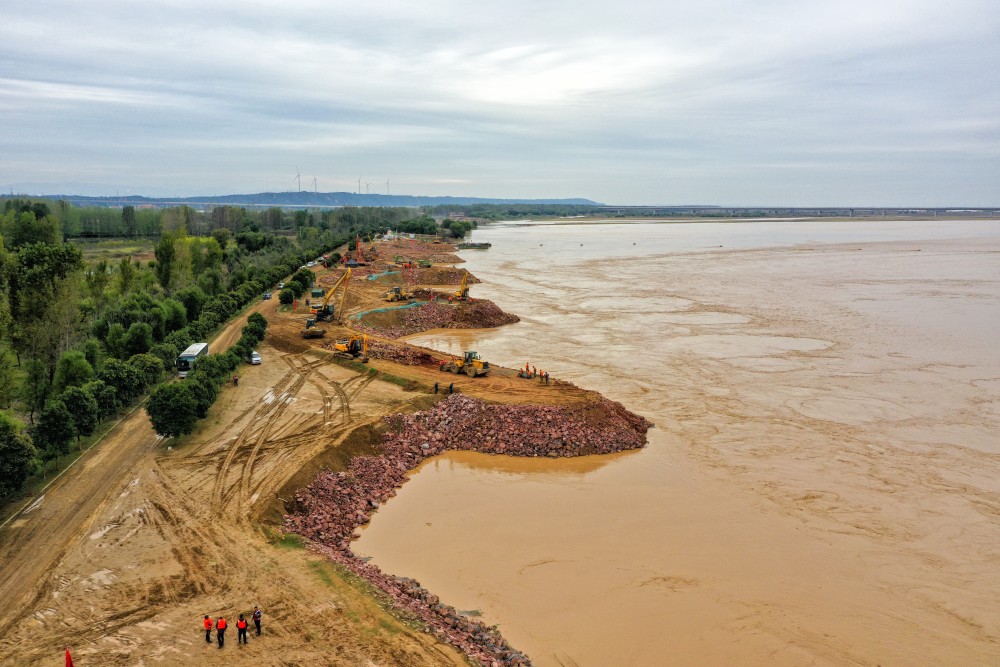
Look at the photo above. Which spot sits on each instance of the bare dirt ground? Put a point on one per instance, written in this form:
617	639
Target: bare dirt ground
123	556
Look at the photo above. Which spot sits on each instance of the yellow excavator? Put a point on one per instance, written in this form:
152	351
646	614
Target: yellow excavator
470	364
353	347
462	293
326	311
397	293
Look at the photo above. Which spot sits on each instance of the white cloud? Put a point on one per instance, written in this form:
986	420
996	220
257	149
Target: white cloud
513	98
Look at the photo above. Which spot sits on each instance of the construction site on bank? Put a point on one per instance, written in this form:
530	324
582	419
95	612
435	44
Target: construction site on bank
122	557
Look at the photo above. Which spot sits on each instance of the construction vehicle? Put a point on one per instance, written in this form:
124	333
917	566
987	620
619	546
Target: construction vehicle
470	364
462	293
325	311
397	293
353	347
424	263
311	330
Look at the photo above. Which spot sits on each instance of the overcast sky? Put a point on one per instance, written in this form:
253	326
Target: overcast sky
730	102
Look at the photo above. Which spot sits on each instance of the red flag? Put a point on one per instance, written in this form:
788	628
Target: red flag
69	659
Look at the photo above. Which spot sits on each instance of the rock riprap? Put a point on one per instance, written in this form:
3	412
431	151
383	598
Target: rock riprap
439	314
330	509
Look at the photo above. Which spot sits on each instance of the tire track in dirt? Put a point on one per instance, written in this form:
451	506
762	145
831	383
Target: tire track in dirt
271	410
249	463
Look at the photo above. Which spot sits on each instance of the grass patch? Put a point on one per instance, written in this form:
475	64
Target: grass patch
323	571
112	249
290	541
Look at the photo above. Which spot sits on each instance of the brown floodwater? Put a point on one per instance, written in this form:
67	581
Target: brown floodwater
822	485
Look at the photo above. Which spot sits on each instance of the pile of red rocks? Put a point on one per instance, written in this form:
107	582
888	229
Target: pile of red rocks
402	354
439	314
330	509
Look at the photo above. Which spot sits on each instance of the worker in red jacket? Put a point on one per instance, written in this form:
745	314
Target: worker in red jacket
241	630
208	629
220	631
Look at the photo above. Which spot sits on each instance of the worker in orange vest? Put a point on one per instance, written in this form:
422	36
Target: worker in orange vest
208	629
241	630
220	631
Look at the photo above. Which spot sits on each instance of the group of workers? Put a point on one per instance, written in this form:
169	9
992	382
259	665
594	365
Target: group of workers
530	372
451	387
221	624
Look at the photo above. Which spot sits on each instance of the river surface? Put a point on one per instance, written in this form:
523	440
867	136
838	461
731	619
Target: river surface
822	484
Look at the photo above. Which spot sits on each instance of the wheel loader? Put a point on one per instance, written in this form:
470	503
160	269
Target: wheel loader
470	364
397	293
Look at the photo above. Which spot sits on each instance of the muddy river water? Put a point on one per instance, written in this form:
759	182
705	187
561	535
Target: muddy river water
822	485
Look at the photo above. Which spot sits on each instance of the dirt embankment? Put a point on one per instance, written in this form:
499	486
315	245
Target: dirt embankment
330	509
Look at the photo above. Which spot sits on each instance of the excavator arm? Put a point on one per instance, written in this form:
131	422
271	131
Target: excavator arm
463	288
343	295
342	281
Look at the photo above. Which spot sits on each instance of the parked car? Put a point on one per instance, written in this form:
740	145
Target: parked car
281	285
267	295
255	358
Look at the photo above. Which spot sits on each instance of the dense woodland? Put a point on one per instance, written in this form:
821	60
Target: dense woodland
84	337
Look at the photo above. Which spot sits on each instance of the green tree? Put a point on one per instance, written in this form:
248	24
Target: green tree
193	299
166	353
286	296
8	384
18	457
204	390
221	236
149	366
93	351
83	409
172	410
126	275
128	221
72	370
165	253
175	315
138	339
115	340
54	430
106	397
35	388
124	379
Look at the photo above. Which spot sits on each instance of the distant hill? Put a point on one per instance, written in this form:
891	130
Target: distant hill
306	200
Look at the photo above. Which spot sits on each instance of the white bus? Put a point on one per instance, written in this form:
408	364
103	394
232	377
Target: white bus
185	362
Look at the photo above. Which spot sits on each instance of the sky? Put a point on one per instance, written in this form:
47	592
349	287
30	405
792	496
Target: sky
726	102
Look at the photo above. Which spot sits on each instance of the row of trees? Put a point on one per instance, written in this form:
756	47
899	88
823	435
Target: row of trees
130	222
75	334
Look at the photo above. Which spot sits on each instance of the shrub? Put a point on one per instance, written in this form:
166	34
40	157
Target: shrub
172	410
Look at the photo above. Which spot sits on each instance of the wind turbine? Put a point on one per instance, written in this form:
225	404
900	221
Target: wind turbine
387	186
315	189
359	185
298	178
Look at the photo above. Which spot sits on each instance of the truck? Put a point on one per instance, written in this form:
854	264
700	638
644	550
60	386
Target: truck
186	359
